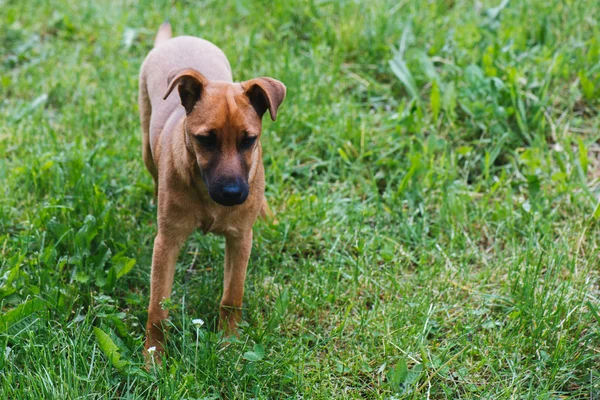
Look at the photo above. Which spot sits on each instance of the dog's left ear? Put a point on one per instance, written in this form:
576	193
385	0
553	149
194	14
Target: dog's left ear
265	94
191	84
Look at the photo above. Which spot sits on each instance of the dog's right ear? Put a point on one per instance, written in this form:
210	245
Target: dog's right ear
191	83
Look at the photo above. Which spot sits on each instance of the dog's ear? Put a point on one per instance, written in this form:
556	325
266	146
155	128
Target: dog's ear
191	83
265	94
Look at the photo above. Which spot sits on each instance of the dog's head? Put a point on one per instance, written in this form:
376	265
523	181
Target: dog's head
223	126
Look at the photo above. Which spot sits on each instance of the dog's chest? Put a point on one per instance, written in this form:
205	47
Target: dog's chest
216	221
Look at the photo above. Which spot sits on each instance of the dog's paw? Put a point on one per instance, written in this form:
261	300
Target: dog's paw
153	356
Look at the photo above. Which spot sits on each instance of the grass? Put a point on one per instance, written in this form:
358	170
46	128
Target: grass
435	171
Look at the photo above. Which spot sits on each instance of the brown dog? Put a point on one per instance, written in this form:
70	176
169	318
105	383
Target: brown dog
203	150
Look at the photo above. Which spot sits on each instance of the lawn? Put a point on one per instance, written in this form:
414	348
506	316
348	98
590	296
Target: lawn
435	174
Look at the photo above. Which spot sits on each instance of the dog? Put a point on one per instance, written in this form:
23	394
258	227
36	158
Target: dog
202	147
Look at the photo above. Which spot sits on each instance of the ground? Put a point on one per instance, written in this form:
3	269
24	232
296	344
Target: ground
434	172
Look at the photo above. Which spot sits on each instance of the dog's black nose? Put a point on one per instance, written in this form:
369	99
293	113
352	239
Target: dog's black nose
230	193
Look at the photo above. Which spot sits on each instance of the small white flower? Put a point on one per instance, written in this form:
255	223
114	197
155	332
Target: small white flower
151	350
198	322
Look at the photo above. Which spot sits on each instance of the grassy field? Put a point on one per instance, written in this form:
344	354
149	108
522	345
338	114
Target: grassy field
435	171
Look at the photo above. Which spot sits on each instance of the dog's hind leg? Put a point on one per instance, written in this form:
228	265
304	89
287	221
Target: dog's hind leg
265	212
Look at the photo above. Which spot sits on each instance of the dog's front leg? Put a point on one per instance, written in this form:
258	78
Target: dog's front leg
237	253
164	258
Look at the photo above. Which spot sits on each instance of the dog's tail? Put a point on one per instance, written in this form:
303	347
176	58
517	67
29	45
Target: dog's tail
164	33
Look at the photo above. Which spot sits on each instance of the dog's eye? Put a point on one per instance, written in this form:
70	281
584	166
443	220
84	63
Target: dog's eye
209	141
248	141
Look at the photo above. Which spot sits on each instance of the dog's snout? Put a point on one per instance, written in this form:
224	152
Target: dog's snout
230	193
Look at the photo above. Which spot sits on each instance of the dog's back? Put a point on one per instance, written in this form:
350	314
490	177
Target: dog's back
182	52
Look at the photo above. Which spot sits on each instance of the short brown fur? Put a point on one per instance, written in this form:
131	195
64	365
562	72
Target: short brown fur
190	174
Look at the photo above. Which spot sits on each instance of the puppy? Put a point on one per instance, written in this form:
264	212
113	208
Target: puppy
201	144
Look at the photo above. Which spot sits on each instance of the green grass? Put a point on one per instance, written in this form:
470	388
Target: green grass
435	170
